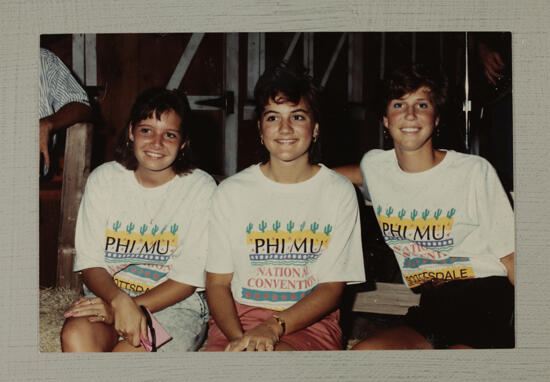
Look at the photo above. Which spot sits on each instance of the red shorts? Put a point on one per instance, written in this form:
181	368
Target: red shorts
322	335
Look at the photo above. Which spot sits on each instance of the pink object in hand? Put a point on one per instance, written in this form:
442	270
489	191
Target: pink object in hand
158	336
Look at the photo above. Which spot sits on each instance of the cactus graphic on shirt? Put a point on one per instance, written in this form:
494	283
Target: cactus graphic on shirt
249	228
163	229
130	227
401	213
276	225
425	214
117	225
143	229
290	226
314	227
437	213
328	229
450	213
262	226
302	226
389	211
414	214
174	228
155	230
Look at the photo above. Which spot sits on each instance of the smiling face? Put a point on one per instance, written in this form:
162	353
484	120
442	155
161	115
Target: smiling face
411	119
156	144
287	130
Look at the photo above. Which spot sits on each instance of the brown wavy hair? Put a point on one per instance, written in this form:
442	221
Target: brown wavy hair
294	85
407	79
156	101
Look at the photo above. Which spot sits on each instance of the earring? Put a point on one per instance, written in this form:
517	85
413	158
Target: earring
437	131
386	135
261	140
314	138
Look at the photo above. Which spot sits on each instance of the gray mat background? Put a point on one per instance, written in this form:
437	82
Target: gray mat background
21	23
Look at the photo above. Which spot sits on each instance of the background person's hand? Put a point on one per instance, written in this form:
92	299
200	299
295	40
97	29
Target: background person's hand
43	137
492	63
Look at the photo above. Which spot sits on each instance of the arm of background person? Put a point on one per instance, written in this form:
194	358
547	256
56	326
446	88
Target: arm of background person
352	172
66	116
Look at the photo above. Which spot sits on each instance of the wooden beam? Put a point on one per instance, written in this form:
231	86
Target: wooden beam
292	46
355	67
382	75
90	59
413	47
231	123
185	60
332	61
78	148
79	65
308	52
256	61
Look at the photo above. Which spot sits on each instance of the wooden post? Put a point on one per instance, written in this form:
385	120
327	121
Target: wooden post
78	149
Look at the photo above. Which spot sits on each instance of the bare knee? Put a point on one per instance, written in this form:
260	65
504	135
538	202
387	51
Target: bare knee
80	335
401	337
460	347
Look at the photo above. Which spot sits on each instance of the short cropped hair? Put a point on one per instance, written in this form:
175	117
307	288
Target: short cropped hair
156	101
407	79
292	85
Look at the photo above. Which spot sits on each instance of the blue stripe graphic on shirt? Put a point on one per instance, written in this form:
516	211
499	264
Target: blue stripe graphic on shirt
146	258
442	245
283	258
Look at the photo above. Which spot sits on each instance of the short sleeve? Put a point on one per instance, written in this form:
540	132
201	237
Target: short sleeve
62	87
364	172
90	223
343	259
189	266
494	211
219	250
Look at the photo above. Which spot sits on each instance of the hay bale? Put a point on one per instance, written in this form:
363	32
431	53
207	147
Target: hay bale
53	303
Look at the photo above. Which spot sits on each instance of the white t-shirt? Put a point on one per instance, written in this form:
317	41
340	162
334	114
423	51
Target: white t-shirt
281	240
143	236
452	221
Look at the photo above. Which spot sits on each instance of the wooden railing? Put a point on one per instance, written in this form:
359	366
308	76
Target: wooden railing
78	150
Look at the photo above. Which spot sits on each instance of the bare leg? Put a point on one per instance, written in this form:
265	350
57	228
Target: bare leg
80	335
283	346
460	347
400	337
